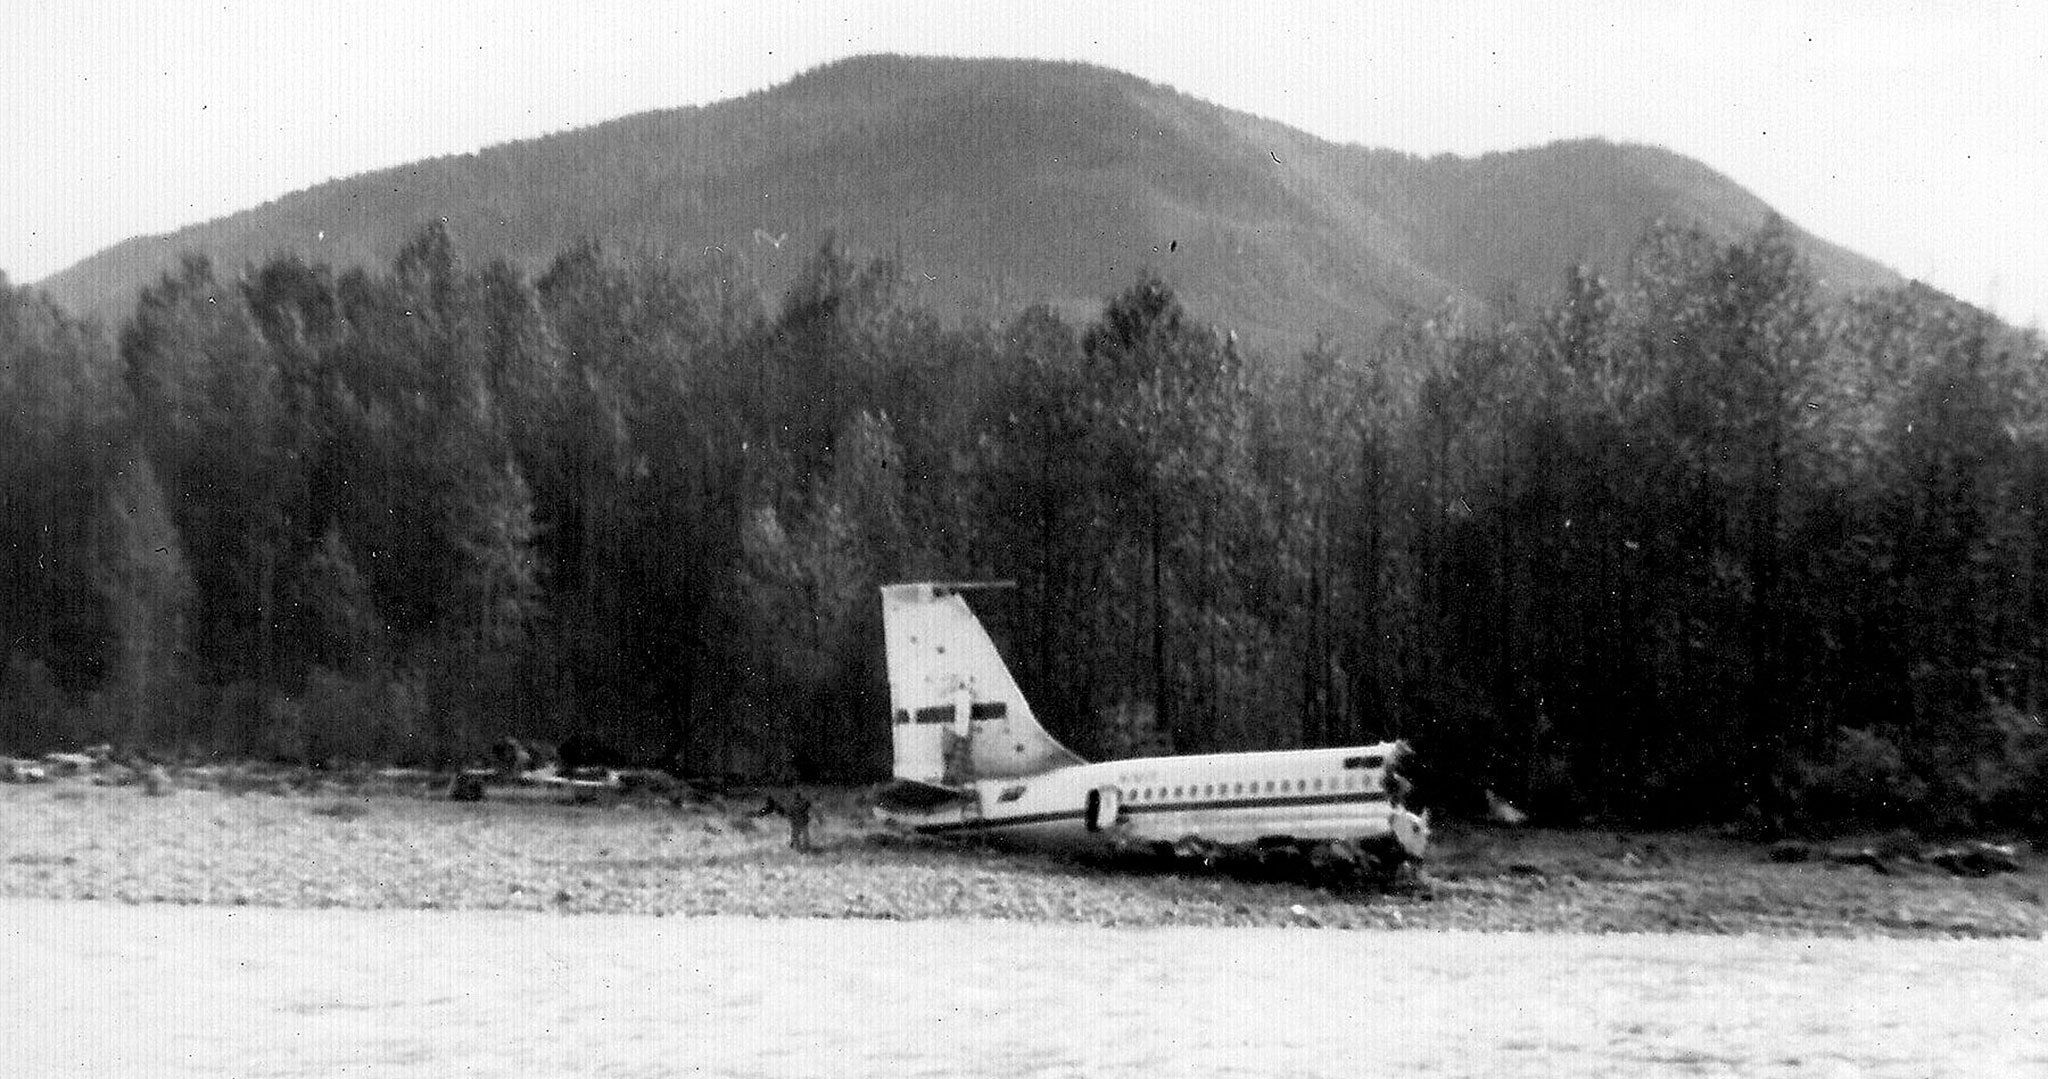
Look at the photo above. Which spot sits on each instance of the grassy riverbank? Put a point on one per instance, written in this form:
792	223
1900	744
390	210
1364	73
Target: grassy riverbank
285	845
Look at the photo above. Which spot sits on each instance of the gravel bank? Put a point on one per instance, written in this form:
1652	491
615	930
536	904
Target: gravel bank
74	840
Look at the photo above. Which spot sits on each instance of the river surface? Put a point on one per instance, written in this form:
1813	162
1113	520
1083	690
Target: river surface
102	989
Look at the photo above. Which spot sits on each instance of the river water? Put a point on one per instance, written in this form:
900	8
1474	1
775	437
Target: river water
103	989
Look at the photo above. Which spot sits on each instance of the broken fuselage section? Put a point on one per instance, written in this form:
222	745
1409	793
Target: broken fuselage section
972	759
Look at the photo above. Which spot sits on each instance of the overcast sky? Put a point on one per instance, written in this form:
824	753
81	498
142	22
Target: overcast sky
1916	133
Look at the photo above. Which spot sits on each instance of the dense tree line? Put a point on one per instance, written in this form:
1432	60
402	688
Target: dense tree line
1698	543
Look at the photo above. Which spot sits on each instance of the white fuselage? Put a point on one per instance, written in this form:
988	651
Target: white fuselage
971	757
1225	797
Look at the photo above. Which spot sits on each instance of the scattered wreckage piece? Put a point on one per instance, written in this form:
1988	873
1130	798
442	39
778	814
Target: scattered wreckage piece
13	770
1975	858
589	784
71	764
97	763
1503	812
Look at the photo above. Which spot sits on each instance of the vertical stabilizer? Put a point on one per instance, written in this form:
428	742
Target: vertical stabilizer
957	713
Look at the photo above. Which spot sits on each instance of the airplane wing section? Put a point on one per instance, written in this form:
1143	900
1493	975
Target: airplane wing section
909	795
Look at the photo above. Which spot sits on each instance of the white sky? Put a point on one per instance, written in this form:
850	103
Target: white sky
1916	133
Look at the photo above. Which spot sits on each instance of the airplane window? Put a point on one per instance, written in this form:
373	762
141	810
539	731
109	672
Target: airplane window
1208	789
1319	784
1176	792
1012	794
1269	786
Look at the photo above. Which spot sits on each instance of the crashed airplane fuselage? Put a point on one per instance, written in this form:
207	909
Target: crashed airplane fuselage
970	758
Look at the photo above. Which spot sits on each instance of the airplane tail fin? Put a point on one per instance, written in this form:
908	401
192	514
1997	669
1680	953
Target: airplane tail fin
958	714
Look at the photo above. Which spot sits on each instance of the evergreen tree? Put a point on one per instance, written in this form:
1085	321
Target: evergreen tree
139	567
60	409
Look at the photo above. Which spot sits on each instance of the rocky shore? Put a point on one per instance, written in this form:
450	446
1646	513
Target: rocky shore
396	841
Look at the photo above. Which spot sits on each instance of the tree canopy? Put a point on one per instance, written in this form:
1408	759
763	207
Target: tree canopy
1700	543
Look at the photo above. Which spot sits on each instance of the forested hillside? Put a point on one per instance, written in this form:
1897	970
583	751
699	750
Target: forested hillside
1698	542
995	184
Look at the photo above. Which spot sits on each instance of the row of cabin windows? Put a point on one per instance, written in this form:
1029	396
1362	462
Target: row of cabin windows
1226	790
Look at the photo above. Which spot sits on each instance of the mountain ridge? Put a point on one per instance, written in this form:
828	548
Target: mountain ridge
998	183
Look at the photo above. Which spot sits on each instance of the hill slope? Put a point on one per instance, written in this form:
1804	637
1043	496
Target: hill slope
997	183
